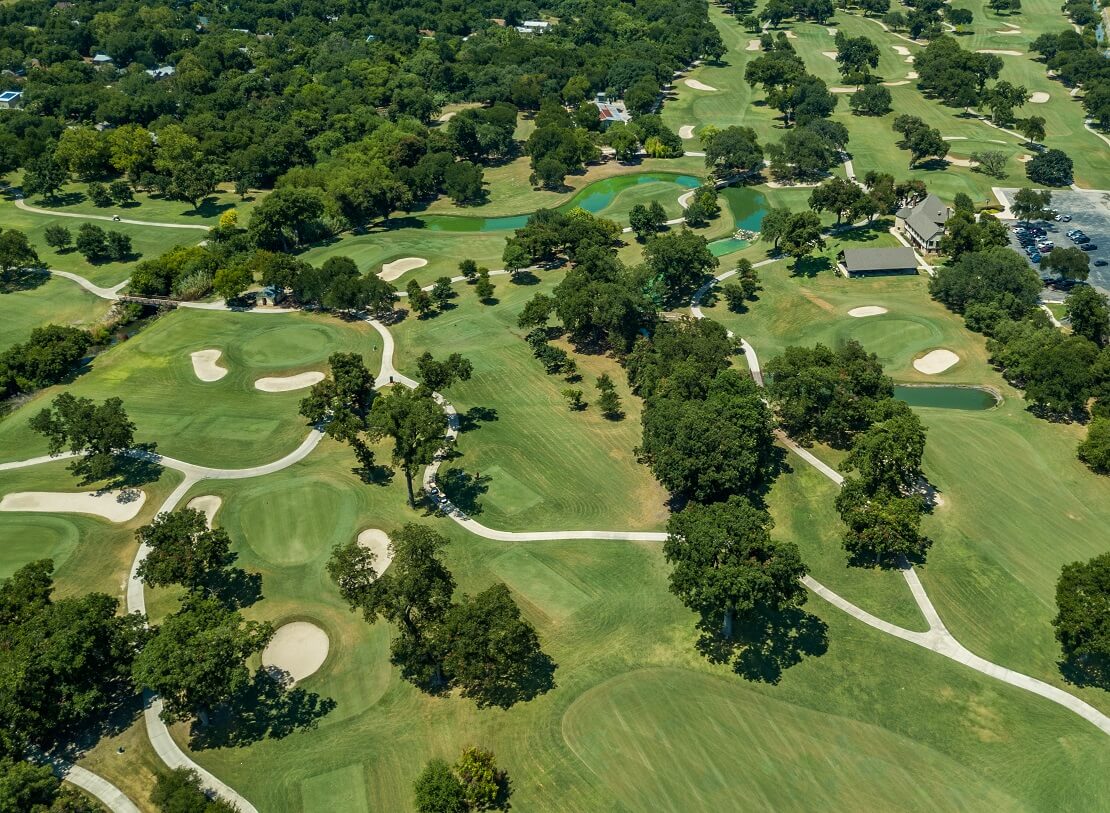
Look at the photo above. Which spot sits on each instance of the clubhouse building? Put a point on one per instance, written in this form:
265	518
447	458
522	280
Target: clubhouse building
923	224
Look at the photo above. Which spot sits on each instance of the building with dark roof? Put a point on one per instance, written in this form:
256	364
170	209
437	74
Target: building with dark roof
899	260
923	224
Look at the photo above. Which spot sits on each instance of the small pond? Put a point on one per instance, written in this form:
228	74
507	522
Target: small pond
947	397
748	208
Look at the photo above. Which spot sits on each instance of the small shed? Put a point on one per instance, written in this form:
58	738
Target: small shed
899	260
11	99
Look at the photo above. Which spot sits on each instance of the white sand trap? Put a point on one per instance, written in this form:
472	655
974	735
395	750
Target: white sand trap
205	366
289	383
1024	157
1009	31
830	54
1039	97
790	35
686	131
954	138
842	90
867	310
298	648
831	32
116	506
912	75
935	361
909	59
696	85
378	543
997	51
753	45
901	50
390	271
897	84
958	162
207	505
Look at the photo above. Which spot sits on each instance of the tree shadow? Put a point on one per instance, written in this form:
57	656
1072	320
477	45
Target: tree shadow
475	417
523	277
1086	672
268	707
23	280
235	587
464	489
810	266
763	647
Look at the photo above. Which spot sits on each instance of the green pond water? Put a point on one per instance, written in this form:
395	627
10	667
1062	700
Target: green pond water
747	205
946	397
593	198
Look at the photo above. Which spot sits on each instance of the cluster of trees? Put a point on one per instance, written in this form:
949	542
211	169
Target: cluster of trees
1077	60
350	93
746	287
473	783
645	132
94	243
17	258
1082	619
965	233
954	75
920	139
998	293
480	644
49	355
552	236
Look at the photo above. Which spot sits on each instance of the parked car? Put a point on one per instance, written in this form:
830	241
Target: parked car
1065	218
1089	247
1035	257
1081	238
1100	262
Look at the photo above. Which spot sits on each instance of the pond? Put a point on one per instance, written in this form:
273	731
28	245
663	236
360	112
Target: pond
594	198
748	208
947	397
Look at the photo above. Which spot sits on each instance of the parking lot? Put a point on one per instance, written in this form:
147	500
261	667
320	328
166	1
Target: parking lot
1090	211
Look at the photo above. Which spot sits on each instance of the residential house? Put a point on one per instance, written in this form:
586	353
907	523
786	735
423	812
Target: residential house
923	224
610	111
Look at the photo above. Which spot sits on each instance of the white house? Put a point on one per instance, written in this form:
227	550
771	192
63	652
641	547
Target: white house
923	224
11	99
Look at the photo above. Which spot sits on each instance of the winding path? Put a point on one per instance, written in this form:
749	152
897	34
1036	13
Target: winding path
20	203
937	638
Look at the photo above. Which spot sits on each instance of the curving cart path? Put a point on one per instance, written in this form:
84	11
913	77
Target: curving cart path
937	638
20	203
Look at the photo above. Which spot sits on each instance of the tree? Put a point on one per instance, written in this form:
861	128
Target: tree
491	651
463	182
802	234
887	455
855	55
1095	448
681	260
438	791
419	300
196	660
191	182
183	550
100	434
870	100
17	255
44	176
726	566
1088	314
180	791
25	786
1051	168
341	402
574	399
1070	263
536	312
647	221
1082	619
98	193
991	162
414	594
415	422
442	292
57	237
120	192
485	785
991	275
774	224
484	288
285	219
835	195
439	375
92	242
48	356
608	400
117	246
880	525
1032	128
733	151
232	280
1031	204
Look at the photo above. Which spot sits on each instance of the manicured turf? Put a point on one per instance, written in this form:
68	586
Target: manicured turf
74	198
224	423
547	467
54	301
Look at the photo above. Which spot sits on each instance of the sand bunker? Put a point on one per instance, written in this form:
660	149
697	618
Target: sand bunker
1039	97
378	543
867	310
1009	31
899	83
290	382
996	51
831	32
958	162
935	361
696	85
1025	157
753	45
207	505
790	35
298	649
205	366
911	75
686	131
830	54
842	90
901	50
116	506
390	271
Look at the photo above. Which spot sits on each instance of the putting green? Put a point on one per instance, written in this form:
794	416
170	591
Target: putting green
29	537
892	338
283	524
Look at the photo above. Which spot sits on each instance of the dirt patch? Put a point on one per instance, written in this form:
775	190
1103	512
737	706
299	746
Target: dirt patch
205	366
819	302
935	361
289	383
115	506
207	505
390	271
696	85
867	310
377	541
298	649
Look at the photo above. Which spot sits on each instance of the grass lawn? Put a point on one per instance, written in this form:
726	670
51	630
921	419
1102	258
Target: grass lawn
873	723
155	208
55	301
225	423
547	467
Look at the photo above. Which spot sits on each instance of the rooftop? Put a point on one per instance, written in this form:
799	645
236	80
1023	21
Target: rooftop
928	217
862	260
10	95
